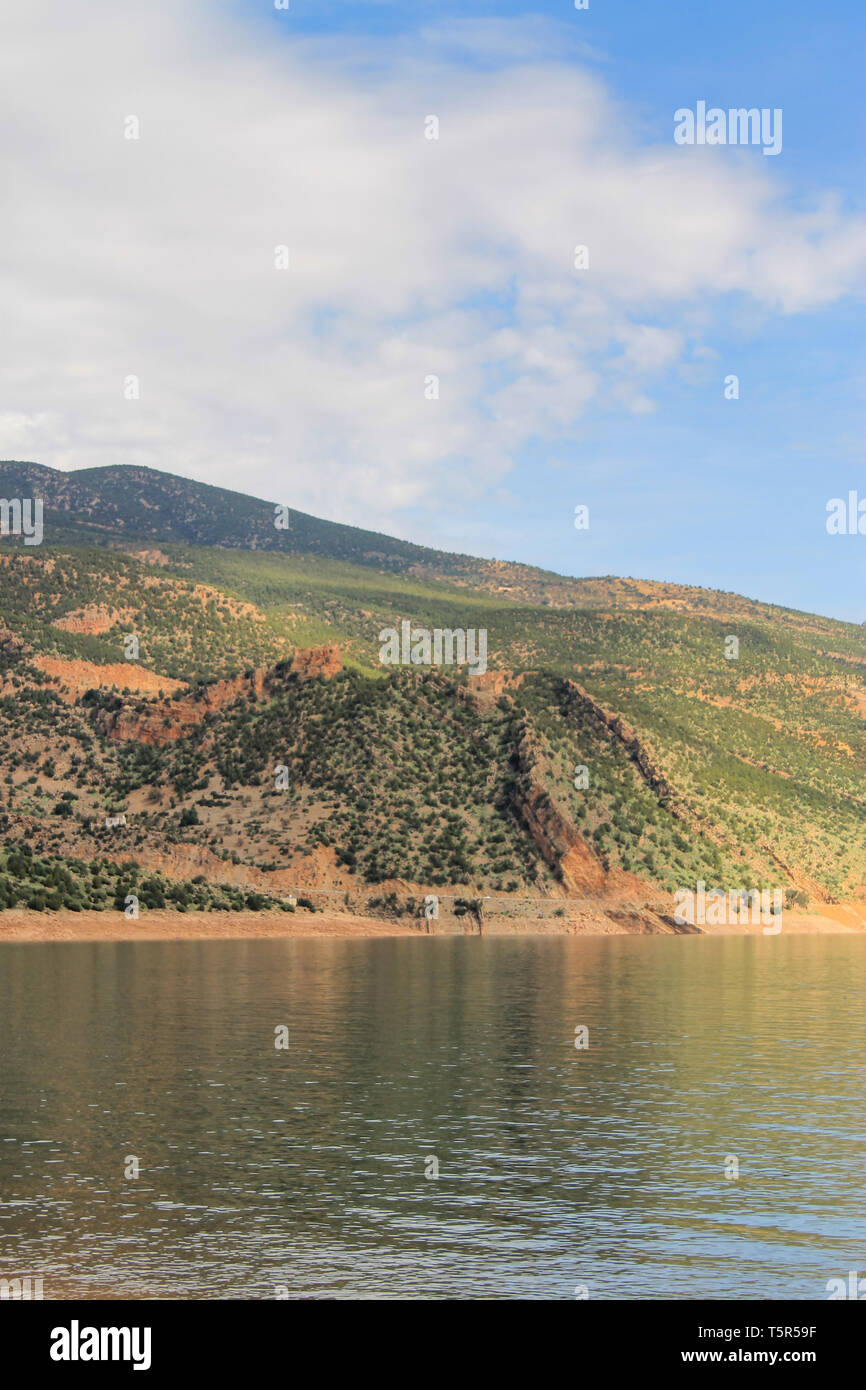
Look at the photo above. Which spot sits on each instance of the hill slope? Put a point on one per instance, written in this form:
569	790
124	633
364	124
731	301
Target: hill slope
738	769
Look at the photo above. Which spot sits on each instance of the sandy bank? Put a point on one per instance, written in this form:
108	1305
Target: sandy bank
20	925
582	920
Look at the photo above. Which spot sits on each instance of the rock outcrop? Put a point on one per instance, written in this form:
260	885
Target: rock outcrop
637	749
563	848
12	647
74	677
166	721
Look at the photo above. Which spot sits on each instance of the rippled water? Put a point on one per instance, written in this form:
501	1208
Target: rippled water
305	1168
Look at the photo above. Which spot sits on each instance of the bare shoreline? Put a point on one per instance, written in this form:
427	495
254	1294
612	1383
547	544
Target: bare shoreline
20	925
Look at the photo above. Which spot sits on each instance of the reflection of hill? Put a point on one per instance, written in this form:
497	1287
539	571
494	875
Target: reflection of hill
306	1166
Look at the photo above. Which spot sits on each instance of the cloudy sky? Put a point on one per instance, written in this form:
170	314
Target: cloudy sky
409	258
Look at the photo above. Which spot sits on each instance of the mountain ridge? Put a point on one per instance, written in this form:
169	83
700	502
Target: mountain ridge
252	527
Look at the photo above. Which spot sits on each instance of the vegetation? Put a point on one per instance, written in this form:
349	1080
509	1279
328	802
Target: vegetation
401	776
51	883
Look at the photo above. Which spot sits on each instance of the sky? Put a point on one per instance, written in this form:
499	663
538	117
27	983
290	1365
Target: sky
229	249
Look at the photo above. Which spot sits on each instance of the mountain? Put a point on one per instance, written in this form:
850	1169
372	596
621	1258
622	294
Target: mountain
115	505
166	649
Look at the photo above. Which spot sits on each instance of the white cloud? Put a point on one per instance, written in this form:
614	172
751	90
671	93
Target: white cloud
408	256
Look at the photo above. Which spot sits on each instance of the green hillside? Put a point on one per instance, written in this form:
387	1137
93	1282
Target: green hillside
407	775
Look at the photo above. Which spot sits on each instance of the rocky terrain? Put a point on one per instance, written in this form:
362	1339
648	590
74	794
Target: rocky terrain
194	713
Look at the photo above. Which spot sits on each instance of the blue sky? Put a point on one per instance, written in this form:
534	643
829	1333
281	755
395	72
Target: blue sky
730	495
261	126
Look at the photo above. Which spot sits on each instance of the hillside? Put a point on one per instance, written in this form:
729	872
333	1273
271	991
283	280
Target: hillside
258	649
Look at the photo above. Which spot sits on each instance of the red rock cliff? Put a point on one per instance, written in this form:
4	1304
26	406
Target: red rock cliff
165	721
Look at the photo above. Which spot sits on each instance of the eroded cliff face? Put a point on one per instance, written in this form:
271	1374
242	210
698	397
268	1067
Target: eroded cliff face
563	848
166	721
641	754
619	898
309	662
646	763
93	619
72	677
484	691
156	722
12	646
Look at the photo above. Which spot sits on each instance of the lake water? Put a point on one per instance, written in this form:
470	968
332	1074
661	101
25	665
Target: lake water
303	1170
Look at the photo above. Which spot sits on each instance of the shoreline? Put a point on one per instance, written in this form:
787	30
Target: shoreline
21	925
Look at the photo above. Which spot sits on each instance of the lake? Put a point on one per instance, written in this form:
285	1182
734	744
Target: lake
310	1171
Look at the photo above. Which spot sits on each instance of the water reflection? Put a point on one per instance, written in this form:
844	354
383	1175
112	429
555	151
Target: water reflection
557	1167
